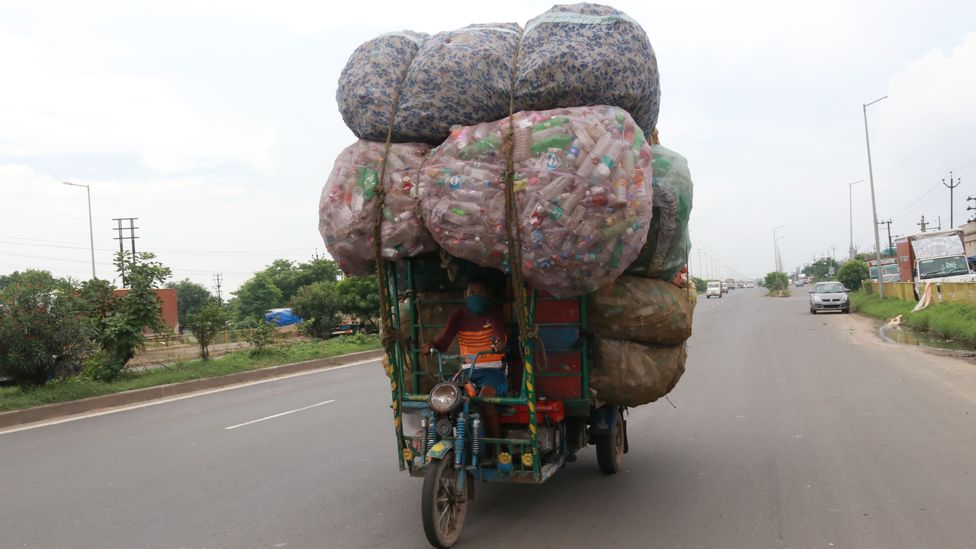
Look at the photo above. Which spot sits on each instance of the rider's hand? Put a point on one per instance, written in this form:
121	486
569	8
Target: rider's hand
426	348
501	345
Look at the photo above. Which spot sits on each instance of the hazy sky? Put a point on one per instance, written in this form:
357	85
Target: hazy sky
215	122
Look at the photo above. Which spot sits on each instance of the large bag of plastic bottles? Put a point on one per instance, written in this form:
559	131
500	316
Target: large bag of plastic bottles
668	240
638	309
575	55
625	373
347	208
581	185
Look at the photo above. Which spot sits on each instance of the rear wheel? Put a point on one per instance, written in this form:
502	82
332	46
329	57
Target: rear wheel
610	447
443	503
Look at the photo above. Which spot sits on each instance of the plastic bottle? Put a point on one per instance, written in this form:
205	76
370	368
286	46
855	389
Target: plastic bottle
609	159
588	165
358	198
558	141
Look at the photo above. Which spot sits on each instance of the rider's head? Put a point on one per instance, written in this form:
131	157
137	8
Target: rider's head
477	295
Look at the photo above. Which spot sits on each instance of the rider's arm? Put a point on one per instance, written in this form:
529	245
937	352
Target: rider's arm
444	340
500	332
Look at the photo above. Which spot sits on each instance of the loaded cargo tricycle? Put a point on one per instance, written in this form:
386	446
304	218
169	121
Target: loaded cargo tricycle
546	416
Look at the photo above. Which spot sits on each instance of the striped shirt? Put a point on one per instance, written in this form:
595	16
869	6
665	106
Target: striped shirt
476	333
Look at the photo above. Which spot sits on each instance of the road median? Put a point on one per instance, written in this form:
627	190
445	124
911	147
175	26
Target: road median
48	412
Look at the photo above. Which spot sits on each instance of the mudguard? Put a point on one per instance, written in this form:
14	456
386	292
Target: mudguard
440	449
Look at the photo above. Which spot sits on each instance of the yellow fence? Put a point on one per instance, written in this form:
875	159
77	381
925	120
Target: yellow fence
955	292
902	290
964	292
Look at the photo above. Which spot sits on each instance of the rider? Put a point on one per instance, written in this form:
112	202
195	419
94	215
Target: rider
480	327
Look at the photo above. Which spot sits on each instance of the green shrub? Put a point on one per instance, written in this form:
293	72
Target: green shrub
42	332
262	337
852	273
206	323
777	282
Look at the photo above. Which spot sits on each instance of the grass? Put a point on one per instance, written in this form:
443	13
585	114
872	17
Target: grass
955	321
778	293
13	398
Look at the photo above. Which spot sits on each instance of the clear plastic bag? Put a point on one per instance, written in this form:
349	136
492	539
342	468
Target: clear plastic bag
581	185
347	208
668	240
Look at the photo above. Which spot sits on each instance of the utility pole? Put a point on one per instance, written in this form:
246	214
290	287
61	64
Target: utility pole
122	238
888	223
940	223
953	183
218	278
923	224
968	208
874	205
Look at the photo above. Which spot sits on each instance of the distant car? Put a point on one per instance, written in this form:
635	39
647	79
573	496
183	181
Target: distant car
725	287
714	289
829	296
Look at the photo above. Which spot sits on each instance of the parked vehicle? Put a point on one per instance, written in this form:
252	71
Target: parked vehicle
933	257
889	269
829	296
714	289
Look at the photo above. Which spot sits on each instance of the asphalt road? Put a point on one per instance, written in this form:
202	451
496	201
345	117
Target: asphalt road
790	430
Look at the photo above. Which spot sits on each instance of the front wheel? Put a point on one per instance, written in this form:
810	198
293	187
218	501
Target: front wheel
610	447
443	503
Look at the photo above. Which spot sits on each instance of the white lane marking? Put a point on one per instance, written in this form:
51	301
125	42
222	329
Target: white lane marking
253	421
181	397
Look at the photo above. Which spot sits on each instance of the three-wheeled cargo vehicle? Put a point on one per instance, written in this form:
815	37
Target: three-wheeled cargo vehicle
546	417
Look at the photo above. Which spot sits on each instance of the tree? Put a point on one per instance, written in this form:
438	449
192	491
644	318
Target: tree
820	270
42	334
318	304
190	297
206	323
288	276
777	282
853	273
34	277
123	331
256	296
359	297
700	284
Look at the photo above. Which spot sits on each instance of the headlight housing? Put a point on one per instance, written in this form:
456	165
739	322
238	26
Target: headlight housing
444	397
816	299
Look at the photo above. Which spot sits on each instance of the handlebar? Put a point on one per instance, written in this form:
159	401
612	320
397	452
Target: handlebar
440	361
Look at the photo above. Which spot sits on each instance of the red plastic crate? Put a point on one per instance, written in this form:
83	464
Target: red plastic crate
553	412
562	311
560	387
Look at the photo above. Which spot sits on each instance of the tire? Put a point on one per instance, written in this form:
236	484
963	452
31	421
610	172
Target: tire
610	447
847	310
439	497
813	311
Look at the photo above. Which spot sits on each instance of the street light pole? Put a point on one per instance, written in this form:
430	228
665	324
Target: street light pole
778	266
91	231
850	205
874	206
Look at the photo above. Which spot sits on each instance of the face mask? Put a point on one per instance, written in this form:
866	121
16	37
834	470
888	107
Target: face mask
478	304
